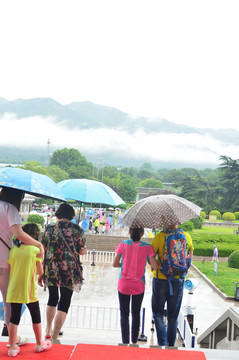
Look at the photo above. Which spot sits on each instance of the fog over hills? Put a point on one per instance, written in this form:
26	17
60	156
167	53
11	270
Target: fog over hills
104	132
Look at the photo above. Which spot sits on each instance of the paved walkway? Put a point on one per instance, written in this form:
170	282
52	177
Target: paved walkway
100	289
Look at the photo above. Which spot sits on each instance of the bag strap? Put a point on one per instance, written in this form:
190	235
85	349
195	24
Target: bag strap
68	246
79	268
5	244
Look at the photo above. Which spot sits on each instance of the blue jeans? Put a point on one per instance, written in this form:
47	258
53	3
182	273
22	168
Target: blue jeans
160	295
124	301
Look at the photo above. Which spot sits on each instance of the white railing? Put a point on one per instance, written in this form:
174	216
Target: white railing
185	331
94	256
83	317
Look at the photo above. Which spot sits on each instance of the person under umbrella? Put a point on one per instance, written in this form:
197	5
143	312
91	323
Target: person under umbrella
161	289
132	256
11	224
63	242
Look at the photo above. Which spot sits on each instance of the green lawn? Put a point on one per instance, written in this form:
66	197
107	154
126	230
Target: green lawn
216	229
226	278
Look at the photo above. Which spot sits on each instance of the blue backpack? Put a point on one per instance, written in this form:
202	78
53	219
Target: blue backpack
176	261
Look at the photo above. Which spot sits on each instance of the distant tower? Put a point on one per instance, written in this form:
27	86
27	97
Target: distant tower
48	153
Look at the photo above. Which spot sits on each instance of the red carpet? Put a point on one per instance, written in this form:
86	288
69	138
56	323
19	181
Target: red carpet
100	352
57	352
105	352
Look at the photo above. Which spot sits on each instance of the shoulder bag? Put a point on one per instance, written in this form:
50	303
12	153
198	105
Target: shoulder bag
78	266
5	244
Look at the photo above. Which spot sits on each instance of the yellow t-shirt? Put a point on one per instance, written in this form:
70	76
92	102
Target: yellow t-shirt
22	286
158	245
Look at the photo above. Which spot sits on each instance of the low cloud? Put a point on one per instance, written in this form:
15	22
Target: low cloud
157	147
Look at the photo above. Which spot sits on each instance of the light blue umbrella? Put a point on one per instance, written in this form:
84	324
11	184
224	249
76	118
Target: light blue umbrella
89	191
30	182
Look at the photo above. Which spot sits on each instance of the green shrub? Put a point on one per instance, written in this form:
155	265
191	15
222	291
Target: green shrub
215	238
217	213
187	226
198	222
228	216
203	243
206	249
203	214
37	219
233	260
236	215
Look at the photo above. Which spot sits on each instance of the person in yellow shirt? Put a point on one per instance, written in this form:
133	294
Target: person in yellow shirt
96	225
161	292
22	289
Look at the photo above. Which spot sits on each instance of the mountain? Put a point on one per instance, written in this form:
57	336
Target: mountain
87	117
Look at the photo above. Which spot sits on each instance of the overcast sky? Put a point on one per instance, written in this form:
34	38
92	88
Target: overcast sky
177	60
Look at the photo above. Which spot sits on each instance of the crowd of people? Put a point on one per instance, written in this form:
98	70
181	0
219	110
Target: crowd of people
56	261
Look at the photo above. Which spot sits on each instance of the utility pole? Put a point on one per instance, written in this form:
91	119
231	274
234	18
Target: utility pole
100	169
48	153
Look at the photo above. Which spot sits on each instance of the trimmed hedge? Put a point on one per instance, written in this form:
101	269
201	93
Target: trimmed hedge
236	215
233	260
187	226
203	244
228	216
37	219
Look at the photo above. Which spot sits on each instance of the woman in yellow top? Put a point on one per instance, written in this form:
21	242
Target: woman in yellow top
22	289
161	293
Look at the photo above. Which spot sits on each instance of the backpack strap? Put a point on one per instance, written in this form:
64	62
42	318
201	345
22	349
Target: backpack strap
169	278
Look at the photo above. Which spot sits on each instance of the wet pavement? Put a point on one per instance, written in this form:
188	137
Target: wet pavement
100	290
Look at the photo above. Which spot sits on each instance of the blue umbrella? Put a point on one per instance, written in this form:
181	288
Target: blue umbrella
89	191
30	182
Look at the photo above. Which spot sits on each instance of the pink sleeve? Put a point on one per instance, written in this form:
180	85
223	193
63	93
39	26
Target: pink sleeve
118	250
151	251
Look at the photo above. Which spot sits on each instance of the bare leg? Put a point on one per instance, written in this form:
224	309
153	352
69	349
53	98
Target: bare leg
58	323
38	333
50	314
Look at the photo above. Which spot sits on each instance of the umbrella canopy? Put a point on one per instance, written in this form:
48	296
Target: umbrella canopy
30	182
89	191
160	210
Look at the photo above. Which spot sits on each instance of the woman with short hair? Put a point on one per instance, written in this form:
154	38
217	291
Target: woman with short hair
63	242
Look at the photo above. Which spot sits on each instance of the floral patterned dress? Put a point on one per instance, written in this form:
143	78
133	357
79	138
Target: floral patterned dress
60	268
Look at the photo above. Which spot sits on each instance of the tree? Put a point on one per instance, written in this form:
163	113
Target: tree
56	173
151	183
66	158
147	166
229	176
174	176
110	171
129	171
145	174
34	166
80	172
202	192
127	189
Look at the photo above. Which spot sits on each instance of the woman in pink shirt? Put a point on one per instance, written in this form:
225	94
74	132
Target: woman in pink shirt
132	256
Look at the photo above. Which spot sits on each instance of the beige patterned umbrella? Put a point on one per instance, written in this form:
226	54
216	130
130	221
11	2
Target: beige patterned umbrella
160	210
